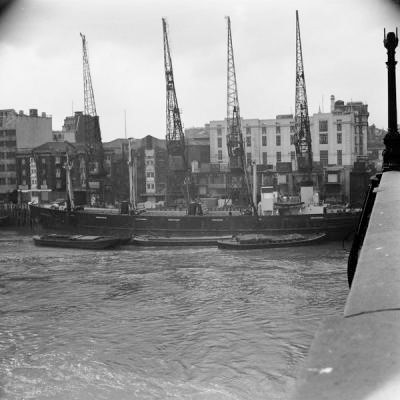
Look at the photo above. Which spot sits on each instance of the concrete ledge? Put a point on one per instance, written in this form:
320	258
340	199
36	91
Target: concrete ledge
353	358
357	356
376	284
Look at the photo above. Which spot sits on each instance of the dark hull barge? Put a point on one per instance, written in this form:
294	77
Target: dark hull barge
337	226
146	240
76	241
248	242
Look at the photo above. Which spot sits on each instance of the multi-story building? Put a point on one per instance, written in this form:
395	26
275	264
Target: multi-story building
150	157
339	139
42	169
376	145
19	132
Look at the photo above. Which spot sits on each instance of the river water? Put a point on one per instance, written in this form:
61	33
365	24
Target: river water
158	323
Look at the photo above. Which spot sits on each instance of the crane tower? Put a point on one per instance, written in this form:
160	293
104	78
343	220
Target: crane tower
178	177
92	135
302	136
240	189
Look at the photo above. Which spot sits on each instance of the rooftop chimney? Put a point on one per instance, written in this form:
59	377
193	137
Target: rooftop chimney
332	103
33	112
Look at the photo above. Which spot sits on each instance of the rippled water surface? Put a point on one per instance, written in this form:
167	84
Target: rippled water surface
158	323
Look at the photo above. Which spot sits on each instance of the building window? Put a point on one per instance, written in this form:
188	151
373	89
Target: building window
10	167
265	158
339	137
150	174
23	161
248	130
219	155
220	142
291	139
12	181
43	161
292	155
323	138
278	156
248	158
58	184
339	157
219	131
291	128
58	173
57	160
2	181
277	129
23	182
44	182
263	130
339	125
248	141
264	140
278	140
323	126
323	157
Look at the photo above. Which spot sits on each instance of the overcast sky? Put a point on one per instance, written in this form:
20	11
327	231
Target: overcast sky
41	58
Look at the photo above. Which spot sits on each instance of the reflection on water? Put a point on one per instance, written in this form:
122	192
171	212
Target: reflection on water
148	323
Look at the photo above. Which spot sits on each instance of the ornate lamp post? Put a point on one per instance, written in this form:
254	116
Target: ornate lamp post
391	154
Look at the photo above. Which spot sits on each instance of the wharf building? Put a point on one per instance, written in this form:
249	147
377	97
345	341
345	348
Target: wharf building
37	157
40	163
19	132
339	140
149	155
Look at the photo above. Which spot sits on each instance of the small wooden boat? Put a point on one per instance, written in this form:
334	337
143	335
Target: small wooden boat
76	241
244	242
149	240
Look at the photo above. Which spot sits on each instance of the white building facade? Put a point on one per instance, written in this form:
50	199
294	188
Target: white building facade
338	137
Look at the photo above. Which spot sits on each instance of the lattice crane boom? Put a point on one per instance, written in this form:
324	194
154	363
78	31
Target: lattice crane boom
90	105
235	144
174	135
179	181
92	137
302	136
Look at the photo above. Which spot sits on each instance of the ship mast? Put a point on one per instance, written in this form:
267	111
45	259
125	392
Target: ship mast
70	194
240	181
132	176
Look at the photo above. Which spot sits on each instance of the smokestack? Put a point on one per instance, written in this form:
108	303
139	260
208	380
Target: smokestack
332	103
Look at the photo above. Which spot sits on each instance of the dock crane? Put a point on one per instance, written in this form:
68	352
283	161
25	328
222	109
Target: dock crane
92	134
302	135
178	177
239	176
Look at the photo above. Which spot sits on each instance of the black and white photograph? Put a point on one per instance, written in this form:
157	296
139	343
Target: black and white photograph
199	200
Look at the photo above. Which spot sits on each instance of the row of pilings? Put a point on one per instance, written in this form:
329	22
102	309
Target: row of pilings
18	215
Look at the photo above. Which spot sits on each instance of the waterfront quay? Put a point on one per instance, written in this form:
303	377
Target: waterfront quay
15	215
